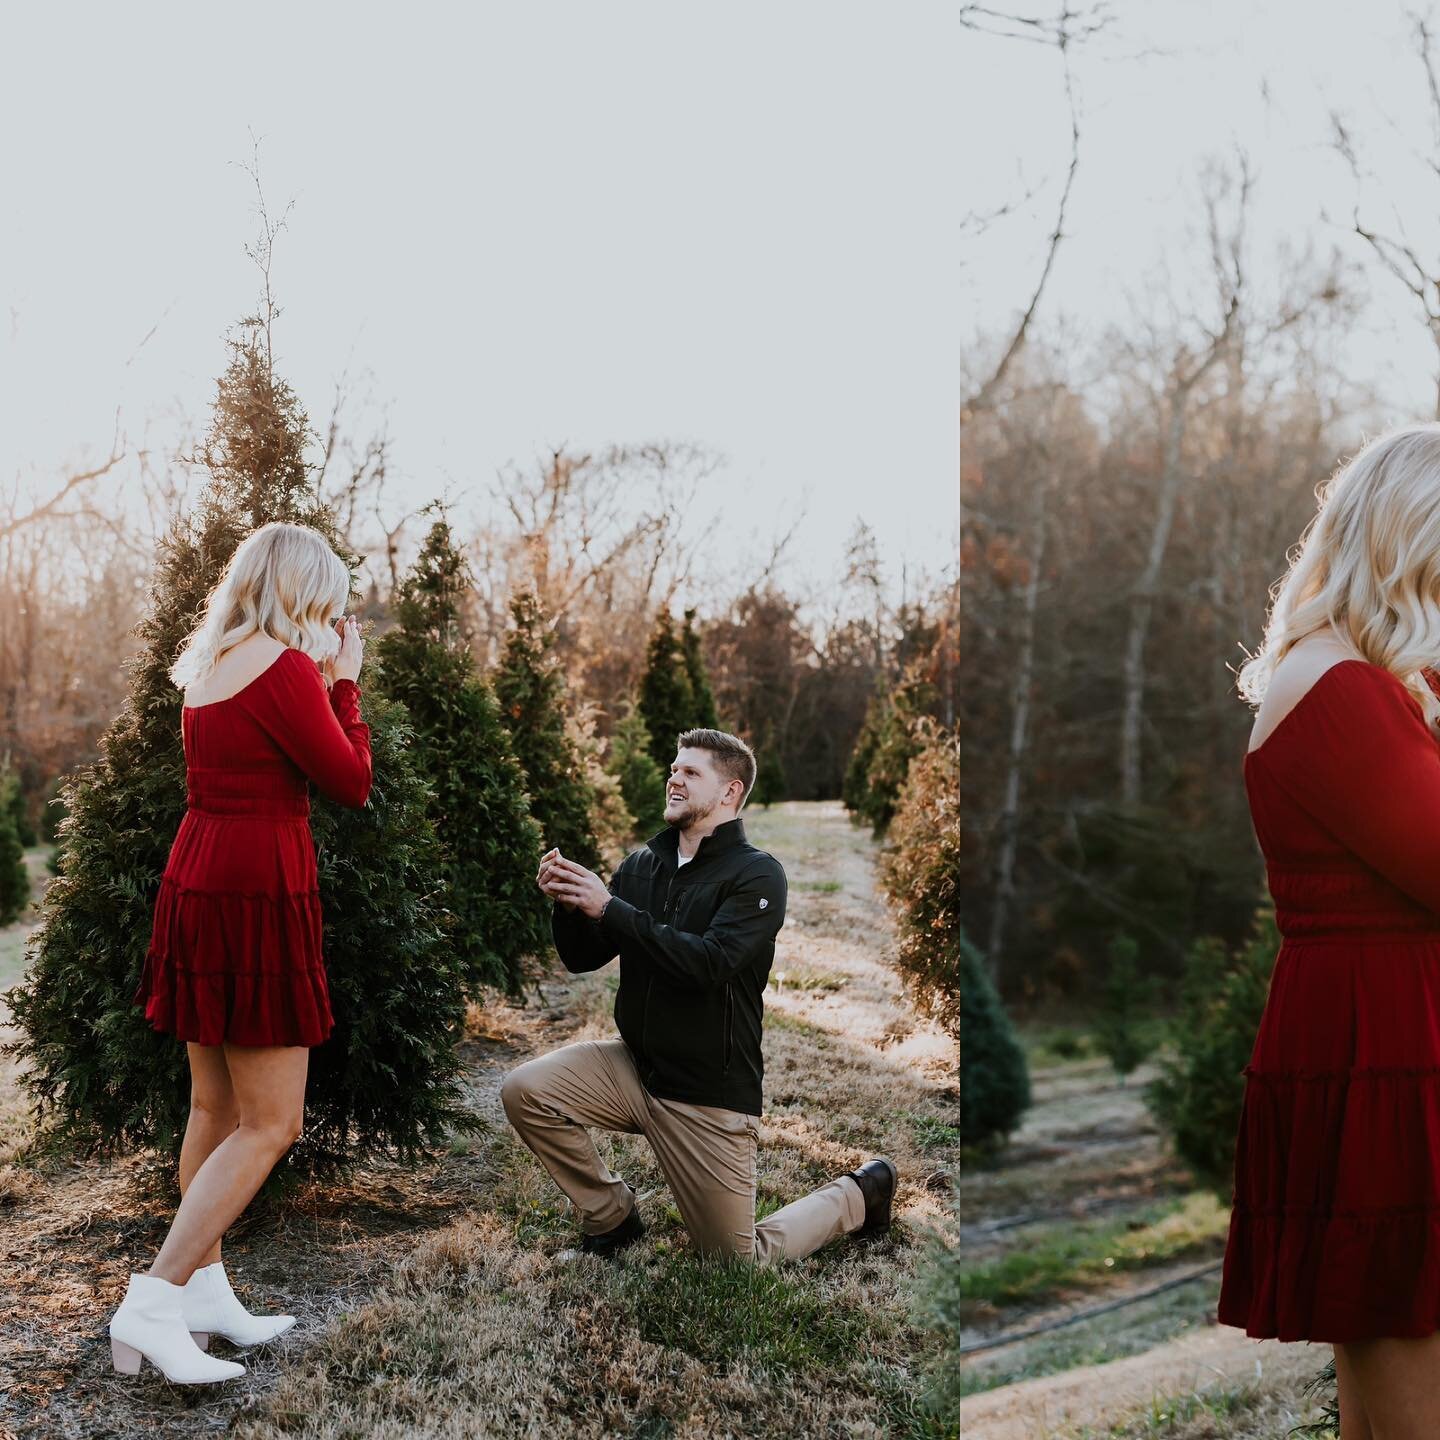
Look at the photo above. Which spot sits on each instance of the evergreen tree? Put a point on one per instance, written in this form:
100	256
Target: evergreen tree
53	812
20	812
534	707
854	789
14	877
994	1079
1122	997
1201	1088
480	812
899	737
387	1079
702	697
769	774
641	781
611	822
667	703
921	874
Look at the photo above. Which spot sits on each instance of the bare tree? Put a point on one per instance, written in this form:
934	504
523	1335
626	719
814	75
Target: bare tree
1396	252
1068	28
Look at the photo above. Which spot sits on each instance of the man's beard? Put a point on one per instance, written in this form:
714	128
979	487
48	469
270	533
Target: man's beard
690	815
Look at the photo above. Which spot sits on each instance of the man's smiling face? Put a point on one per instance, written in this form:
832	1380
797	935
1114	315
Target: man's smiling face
696	789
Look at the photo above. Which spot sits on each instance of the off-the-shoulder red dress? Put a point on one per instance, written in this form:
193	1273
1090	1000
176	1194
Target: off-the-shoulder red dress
235	950
1335	1220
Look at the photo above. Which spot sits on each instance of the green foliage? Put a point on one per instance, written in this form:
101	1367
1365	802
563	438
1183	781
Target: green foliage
53	813
534	707
900	735
722	1310
1123	998
854	790
611	822
702	697
937	1304
921	874
769	774
642	783
387	1080
480	810
14	877
1200	1090
994	1079
667	701
20	813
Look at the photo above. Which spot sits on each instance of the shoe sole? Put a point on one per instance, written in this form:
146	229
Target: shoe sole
202	1338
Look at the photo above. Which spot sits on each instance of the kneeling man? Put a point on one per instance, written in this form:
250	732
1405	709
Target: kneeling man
693	916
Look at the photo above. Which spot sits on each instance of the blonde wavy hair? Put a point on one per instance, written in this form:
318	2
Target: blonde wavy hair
1368	564
283	581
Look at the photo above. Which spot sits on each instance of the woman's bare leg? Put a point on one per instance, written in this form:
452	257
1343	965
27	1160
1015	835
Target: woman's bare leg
1399	1385
214	1115
1354	1419
269	1086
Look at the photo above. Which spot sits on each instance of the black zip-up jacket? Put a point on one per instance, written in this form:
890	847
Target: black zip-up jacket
695	945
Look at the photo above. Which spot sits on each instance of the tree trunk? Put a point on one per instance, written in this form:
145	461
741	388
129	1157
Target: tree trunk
1009	824
1142	600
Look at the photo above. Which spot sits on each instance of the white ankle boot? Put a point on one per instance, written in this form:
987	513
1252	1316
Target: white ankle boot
212	1308
151	1323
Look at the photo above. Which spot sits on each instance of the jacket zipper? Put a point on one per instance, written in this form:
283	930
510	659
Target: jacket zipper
729	1028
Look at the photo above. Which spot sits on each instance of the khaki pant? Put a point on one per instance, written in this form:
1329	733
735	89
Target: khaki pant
707	1155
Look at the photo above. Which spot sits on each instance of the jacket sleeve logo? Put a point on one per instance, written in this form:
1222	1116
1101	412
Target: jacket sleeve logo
763	902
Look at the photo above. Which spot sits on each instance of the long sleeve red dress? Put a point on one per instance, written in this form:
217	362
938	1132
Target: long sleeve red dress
1335	1219
235	949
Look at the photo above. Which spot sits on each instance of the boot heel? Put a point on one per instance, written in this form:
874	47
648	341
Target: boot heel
201	1338
125	1357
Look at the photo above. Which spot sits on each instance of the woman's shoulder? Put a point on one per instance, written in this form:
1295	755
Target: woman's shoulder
1339	696
288	673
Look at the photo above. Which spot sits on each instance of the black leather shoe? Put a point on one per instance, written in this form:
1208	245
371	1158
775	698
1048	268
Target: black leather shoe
611	1242
876	1179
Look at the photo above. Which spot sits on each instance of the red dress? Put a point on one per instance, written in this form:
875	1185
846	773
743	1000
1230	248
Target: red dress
235	951
1335	1219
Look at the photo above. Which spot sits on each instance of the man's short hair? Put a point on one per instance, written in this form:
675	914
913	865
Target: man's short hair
734	759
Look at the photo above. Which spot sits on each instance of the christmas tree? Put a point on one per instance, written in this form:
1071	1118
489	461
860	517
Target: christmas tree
480	812
854	789
20	812
387	1079
14	877
534	707
702	697
667	702
642	782
897	737
769	773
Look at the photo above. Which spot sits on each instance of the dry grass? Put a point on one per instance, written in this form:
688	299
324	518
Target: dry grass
434	1301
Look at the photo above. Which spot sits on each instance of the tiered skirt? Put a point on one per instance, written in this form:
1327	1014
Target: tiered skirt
235	953
1335	1221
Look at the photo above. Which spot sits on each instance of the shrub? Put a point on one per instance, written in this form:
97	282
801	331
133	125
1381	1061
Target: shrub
921	873
1201	1087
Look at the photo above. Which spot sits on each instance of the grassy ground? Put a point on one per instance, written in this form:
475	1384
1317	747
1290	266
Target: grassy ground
1087	1205
436	1301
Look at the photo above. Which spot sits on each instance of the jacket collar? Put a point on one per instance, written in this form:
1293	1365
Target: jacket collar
723	837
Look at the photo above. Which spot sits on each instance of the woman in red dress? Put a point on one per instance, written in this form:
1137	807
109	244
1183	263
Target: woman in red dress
1335	1220
234	967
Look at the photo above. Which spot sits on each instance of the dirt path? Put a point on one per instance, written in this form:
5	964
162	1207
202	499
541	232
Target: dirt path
1053	1407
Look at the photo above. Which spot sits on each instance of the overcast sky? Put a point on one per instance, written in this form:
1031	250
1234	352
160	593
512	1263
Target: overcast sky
1171	85
531	224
